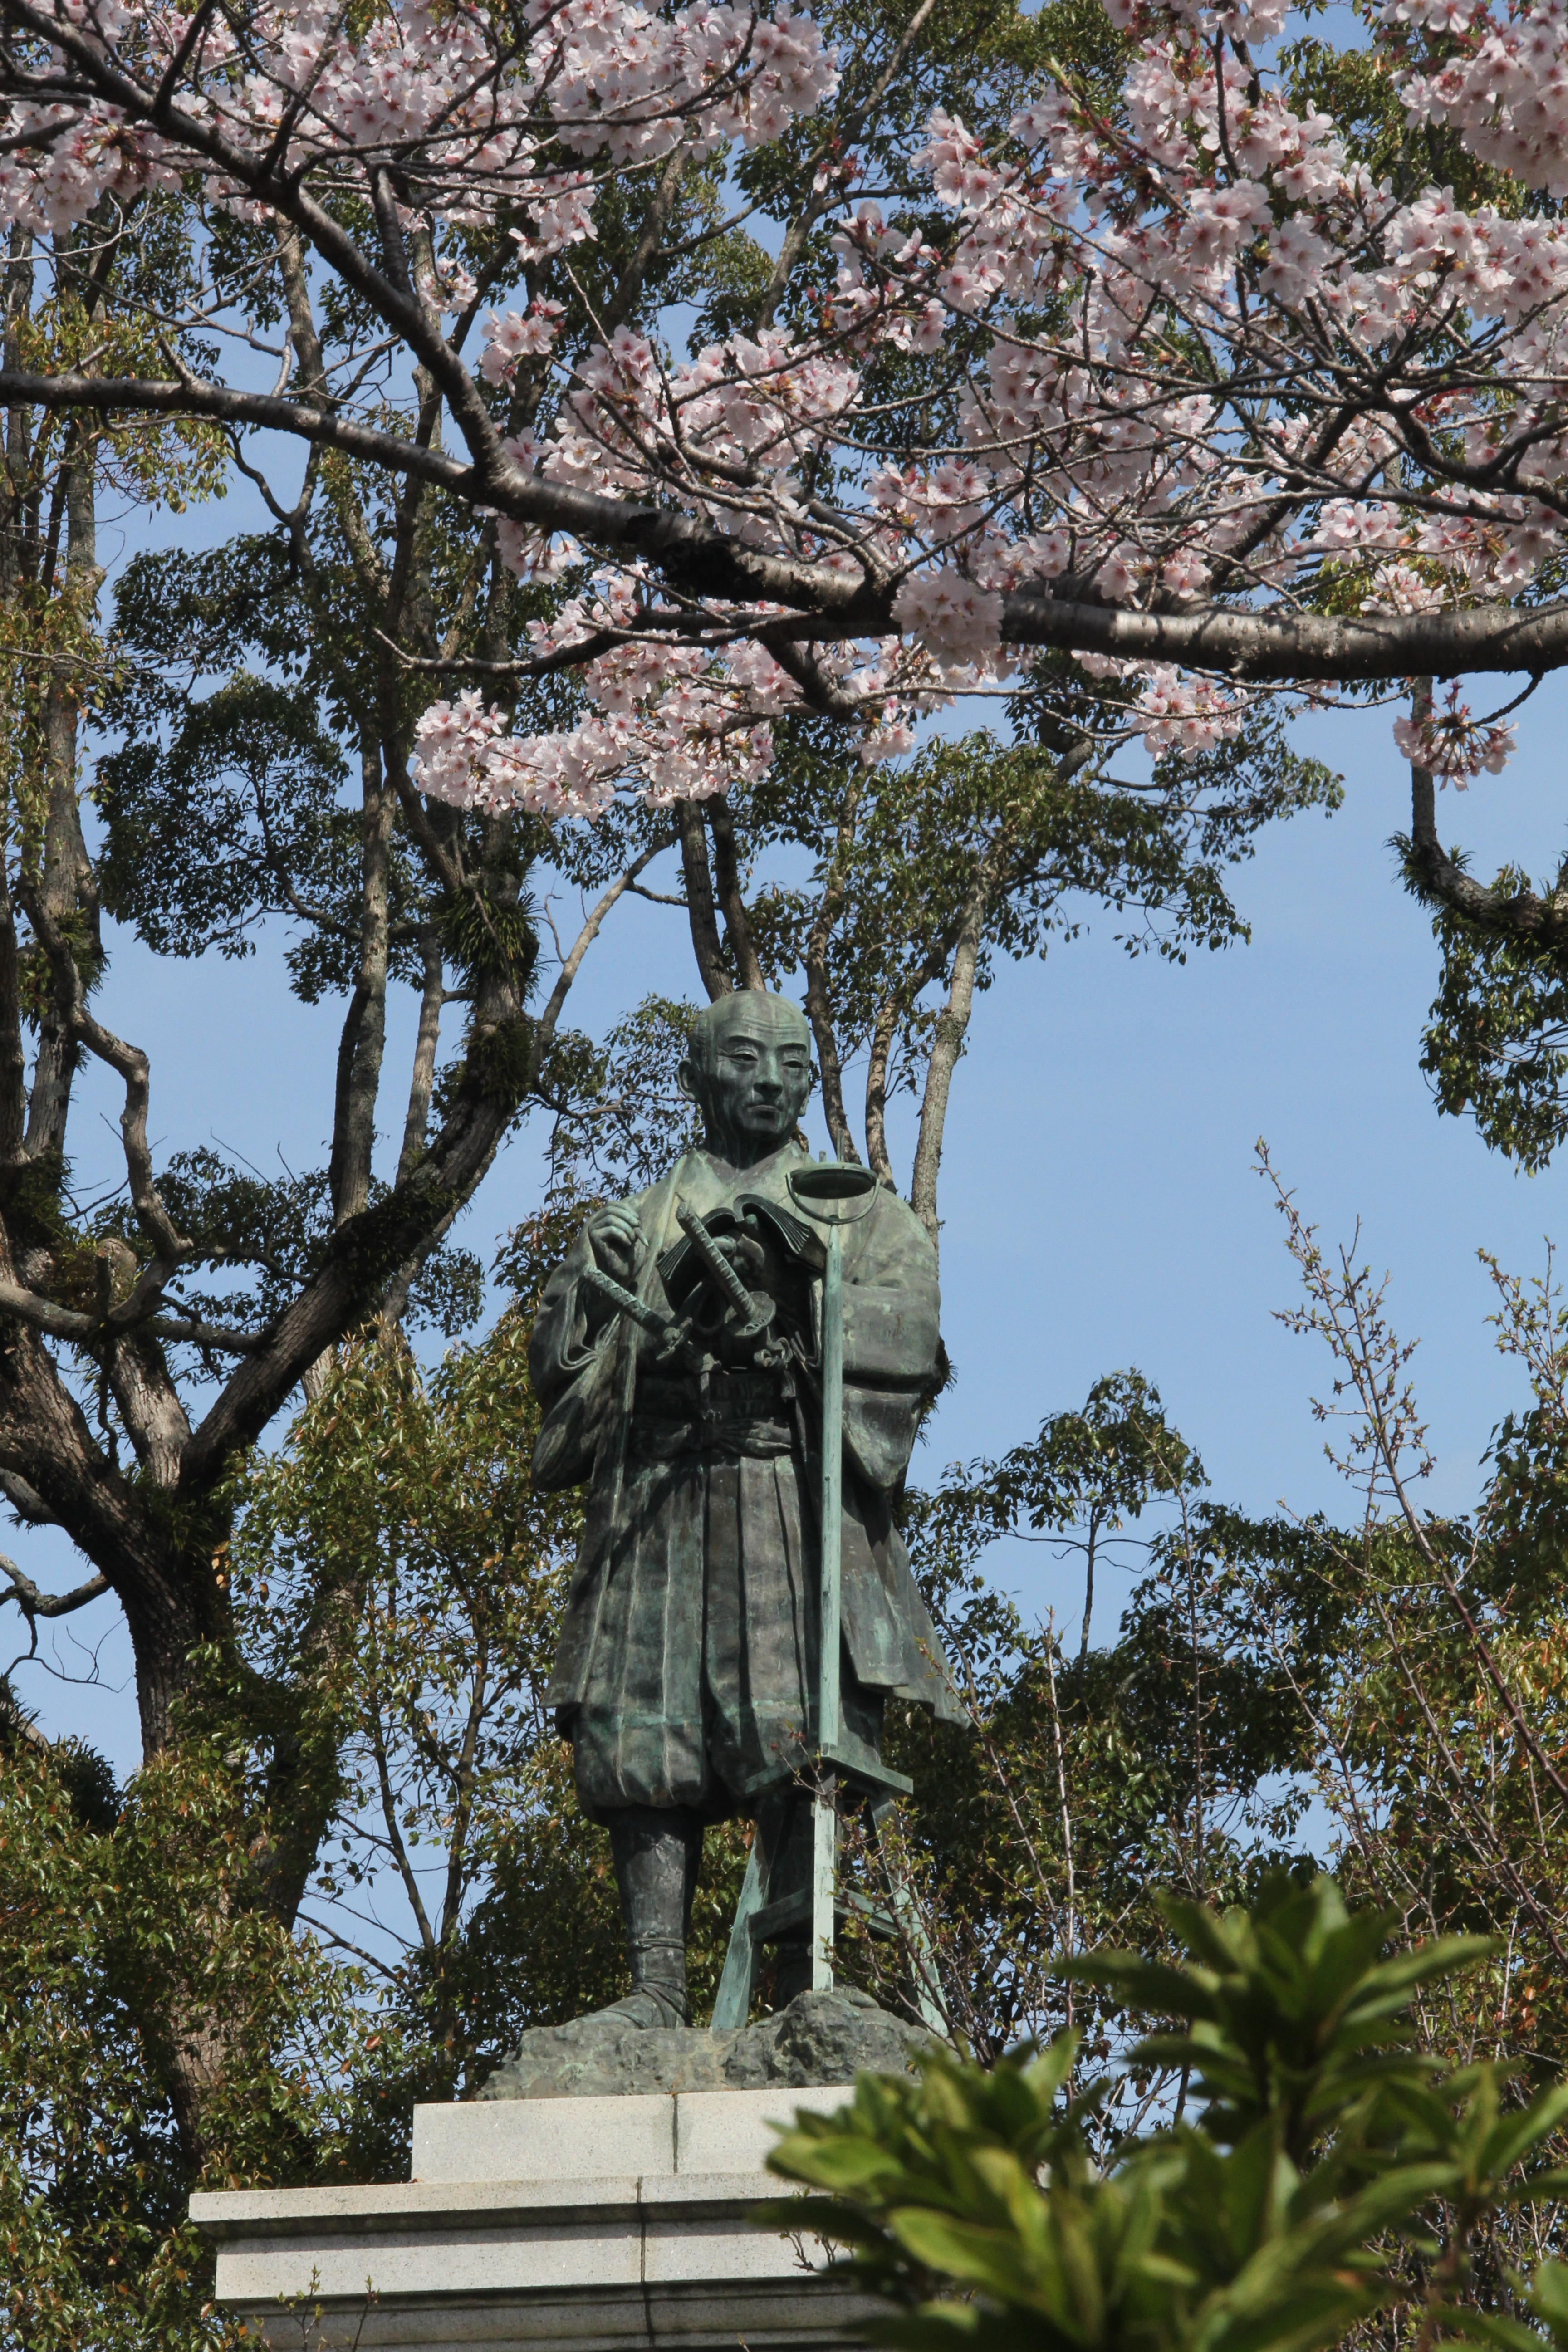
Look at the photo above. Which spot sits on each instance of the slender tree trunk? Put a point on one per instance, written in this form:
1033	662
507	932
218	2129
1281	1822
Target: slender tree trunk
992	877
67	889
13	1058
727	875
700	908
364	1029
946	1046
423	1076
1088	1583
14	566
883	1031
818	1002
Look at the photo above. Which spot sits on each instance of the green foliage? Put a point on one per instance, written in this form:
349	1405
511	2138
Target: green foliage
265	1236
1287	2011
120	1926
1172	1754
1496	1041
1013	837
1091	1470
223	804
378	1714
1425	1653
393	1565
1334	2172
92	2251
226	822
619	1118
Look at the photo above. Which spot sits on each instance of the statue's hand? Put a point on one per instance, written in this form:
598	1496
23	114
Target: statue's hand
754	1259
616	1240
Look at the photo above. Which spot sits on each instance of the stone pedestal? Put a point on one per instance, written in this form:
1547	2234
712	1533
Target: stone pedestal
560	2225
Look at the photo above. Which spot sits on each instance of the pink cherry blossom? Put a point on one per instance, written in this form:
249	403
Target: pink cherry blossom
1198	359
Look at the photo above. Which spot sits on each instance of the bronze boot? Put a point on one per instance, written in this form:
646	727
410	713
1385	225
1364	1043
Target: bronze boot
657	1850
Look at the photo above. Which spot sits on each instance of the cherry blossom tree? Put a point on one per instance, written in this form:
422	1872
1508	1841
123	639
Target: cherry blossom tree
1230	406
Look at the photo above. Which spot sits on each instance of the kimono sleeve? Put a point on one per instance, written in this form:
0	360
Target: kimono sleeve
891	1309
571	1365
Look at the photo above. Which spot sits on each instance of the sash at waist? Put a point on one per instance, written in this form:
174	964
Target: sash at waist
734	1415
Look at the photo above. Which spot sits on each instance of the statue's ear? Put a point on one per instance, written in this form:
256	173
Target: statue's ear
686	1078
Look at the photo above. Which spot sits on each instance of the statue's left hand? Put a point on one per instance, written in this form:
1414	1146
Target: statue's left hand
756	1261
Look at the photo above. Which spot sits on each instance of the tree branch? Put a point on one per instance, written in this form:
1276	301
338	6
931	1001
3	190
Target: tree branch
131	1063
32	1602
590	932
68	1323
1438	878
369	1247
25	1500
711	565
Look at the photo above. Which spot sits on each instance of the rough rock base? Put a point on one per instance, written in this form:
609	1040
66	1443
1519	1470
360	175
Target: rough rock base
820	2038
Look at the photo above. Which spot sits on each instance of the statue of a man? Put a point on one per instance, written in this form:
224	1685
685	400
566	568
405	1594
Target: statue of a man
687	1665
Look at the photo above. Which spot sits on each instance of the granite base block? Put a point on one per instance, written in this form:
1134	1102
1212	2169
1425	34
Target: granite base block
559	2225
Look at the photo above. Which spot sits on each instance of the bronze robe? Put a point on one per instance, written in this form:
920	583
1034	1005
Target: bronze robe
687	1663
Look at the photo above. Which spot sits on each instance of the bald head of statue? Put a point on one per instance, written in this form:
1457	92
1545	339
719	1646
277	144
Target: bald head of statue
748	1070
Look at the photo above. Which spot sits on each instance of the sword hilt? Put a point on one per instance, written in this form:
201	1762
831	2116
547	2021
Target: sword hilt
674	1337
756	1314
651	1318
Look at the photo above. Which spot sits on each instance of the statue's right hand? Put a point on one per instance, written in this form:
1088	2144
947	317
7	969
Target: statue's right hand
616	1240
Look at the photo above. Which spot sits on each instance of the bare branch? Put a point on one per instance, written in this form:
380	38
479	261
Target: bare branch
32	1603
68	1323
572	962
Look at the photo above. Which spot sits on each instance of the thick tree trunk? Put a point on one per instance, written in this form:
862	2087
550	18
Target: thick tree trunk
163	1578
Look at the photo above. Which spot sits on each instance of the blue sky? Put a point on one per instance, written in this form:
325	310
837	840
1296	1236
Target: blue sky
1100	1208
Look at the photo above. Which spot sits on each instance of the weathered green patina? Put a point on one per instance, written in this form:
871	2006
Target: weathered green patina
688	1663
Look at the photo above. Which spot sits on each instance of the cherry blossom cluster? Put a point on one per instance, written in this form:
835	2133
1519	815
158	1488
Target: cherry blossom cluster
1499	77
442	93
666	721
1452	745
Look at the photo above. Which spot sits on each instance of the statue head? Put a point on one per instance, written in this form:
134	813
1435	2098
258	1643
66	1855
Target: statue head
748	1070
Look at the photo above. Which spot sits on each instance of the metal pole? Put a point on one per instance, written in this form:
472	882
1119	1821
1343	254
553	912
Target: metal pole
825	1808
827	1724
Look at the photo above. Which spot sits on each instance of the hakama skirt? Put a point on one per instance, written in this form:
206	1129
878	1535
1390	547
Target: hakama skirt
703	1671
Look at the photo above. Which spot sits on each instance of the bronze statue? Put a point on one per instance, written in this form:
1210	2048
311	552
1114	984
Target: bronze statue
687	1663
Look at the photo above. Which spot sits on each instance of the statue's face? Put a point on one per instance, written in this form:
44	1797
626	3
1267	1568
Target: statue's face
755	1079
